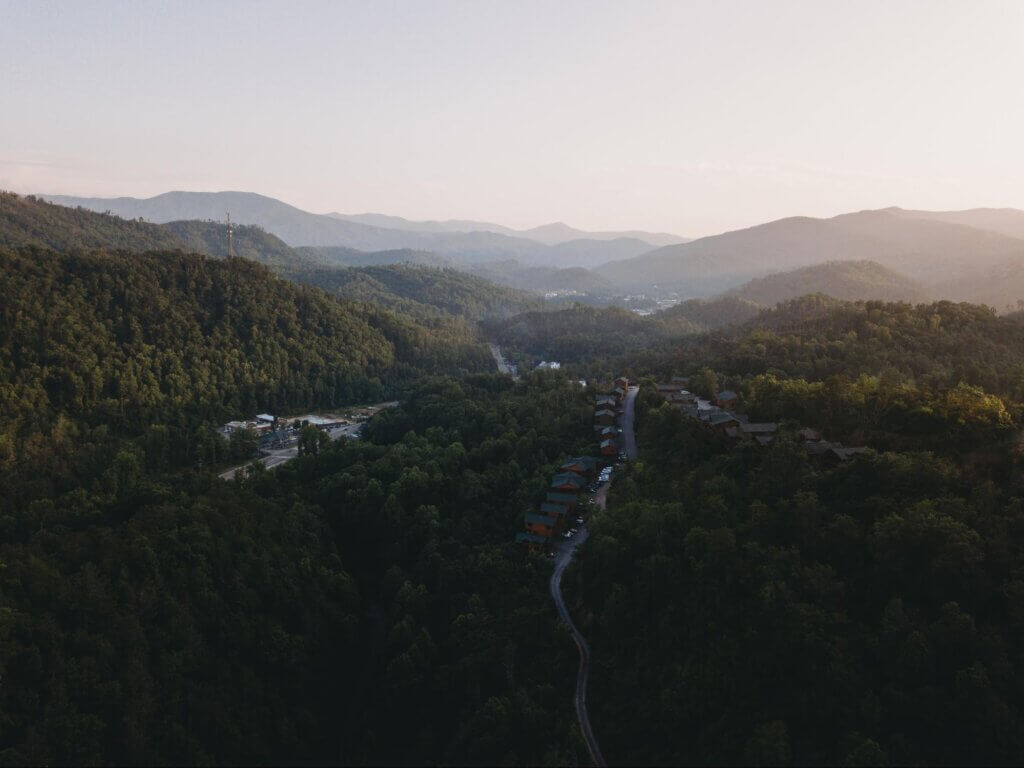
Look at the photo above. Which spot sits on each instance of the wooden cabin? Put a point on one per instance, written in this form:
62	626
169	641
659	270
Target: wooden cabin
567	500
567	481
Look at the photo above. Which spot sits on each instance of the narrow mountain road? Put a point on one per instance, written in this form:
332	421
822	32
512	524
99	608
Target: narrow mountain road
563	556
628	414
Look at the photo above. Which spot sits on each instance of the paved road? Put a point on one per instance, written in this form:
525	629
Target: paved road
628	413
563	556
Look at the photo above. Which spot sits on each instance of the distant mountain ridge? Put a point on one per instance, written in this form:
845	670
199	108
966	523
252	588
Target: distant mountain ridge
377	232
930	250
549	234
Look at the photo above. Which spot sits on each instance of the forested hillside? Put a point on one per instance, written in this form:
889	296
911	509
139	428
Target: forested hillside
847	280
361	605
584	334
421	291
31	221
248	242
713	313
752	603
94	346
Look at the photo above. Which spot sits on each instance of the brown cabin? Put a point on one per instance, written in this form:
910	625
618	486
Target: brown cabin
540	525
584	466
605	417
567	481
531	541
567	500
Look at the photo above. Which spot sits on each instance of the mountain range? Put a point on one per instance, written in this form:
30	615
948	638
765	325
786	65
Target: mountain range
970	255
464	241
938	250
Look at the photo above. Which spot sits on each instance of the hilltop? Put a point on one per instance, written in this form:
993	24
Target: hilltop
848	280
30	221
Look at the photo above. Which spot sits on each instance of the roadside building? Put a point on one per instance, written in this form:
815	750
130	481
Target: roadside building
567	481
605	417
320	422
265	418
584	466
609	447
567	500
540	525
531	540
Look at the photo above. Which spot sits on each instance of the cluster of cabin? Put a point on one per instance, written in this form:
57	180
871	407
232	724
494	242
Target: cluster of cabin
552	517
574	476
719	415
606	413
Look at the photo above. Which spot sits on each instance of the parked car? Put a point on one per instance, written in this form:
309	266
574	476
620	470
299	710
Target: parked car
567	534
579	521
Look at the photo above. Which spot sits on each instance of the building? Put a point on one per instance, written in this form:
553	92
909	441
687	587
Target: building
556	512
726	398
265	418
531	540
540	525
609	447
830	454
581	465
320	422
567	481
623	382
604	417
606	401
764	429
567	500
721	420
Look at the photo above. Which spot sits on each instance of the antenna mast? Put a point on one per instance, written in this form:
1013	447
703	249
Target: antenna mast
231	251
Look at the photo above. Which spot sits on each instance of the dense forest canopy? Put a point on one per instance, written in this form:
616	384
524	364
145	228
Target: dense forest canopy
752	605
363	604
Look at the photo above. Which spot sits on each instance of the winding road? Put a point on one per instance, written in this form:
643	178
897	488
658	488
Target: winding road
563	556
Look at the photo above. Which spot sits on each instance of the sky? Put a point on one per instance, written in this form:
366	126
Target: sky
683	117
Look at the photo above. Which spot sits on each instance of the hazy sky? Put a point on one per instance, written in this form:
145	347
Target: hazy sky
685	117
